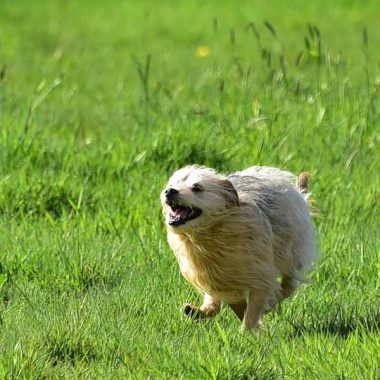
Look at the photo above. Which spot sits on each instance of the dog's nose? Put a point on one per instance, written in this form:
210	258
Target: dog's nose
170	192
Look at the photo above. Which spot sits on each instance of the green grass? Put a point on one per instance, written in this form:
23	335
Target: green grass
99	103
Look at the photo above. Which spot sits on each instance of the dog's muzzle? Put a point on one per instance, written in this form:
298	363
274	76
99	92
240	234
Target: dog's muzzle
170	193
179	213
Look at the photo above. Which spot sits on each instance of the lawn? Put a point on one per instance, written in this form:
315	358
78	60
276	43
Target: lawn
99	103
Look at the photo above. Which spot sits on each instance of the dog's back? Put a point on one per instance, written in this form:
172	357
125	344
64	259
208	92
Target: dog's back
283	202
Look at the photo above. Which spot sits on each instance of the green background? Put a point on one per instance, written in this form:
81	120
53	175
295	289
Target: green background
100	102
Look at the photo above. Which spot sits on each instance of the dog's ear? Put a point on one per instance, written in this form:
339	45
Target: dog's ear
230	192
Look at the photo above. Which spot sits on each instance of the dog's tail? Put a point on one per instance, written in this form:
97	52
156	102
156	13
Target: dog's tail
303	183
303	187
310	258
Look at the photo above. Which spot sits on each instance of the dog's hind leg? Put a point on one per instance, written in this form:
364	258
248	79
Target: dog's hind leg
210	308
288	285
255	307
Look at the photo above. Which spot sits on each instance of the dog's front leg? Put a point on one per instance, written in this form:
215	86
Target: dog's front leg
210	308
255	307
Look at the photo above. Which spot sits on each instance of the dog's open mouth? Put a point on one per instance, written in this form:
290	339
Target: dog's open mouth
180	214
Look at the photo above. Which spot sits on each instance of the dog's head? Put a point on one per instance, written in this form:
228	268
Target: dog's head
195	196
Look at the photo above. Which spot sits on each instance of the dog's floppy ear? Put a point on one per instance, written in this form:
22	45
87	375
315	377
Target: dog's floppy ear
230	192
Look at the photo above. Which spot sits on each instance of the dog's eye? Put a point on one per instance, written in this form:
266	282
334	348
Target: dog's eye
196	188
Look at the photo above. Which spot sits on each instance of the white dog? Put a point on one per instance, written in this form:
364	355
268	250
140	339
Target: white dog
246	239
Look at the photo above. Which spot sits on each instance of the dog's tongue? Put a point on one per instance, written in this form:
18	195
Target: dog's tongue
183	213
180	213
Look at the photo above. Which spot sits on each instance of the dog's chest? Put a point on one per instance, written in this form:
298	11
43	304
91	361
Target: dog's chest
222	268
201	273
212	274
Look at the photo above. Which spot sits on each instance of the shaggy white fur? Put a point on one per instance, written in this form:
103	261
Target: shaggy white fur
246	239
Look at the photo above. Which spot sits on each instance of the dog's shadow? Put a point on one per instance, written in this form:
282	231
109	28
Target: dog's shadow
339	327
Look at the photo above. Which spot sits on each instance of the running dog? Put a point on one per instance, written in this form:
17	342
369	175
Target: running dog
246	239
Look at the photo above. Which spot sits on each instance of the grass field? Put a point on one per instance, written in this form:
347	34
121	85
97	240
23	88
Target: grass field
100	102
